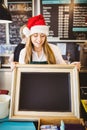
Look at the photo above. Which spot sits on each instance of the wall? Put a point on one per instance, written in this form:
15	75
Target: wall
5	79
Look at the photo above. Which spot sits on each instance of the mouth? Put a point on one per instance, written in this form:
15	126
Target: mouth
38	42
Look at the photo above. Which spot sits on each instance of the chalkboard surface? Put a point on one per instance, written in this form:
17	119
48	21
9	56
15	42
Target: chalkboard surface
66	18
20	12
2	34
45	92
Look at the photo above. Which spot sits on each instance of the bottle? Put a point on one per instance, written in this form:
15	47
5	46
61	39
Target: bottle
69	57
62	126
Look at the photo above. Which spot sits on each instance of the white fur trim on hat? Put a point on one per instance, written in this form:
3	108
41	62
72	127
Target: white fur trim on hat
26	31
39	29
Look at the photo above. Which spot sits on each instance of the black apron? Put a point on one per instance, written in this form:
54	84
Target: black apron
37	62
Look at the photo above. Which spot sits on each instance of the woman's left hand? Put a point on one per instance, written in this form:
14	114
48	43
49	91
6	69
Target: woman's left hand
77	64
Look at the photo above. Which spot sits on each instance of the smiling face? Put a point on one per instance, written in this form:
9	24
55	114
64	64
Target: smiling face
38	40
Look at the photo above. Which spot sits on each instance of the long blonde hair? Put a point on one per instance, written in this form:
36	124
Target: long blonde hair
47	50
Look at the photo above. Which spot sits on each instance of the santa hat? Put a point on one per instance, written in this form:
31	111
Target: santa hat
37	24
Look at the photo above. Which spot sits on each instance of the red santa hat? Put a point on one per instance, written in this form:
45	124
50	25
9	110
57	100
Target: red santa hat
37	24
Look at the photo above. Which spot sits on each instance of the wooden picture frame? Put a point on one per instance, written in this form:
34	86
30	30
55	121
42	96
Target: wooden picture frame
26	94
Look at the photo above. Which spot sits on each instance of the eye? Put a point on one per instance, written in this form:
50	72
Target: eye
35	34
42	35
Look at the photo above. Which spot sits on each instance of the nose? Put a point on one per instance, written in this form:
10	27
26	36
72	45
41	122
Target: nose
39	38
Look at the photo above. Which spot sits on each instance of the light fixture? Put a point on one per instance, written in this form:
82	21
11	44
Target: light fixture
5	16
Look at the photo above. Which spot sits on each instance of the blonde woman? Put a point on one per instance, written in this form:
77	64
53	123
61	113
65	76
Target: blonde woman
38	50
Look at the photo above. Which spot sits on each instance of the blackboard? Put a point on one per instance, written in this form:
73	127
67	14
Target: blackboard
45	92
2	34
20	11
66	18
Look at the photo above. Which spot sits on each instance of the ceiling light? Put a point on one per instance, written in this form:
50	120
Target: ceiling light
5	16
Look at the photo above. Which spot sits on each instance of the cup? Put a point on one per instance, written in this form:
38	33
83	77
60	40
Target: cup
4	105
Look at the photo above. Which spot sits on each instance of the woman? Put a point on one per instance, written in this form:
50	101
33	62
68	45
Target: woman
23	35
38	50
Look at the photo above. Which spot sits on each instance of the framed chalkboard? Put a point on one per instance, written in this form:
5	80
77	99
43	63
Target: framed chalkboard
44	91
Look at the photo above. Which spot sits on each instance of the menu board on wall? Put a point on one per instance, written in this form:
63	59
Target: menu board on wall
20	11
2	34
66	18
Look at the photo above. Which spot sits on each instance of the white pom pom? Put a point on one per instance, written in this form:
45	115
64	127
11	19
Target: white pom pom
26	31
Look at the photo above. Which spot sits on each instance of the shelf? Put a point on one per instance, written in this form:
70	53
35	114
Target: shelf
5	55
